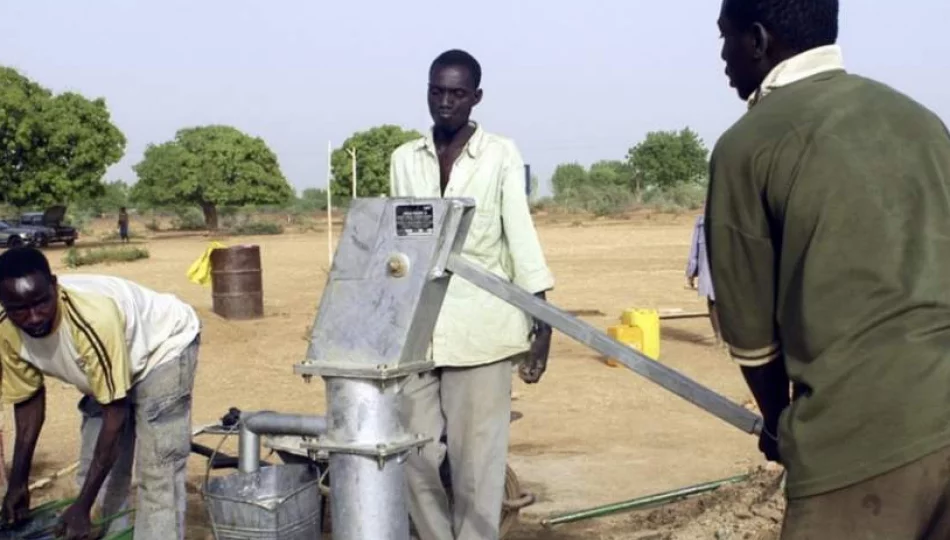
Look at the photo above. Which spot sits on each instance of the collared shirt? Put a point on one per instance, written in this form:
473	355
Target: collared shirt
475	327
109	334
697	265
798	67
827	219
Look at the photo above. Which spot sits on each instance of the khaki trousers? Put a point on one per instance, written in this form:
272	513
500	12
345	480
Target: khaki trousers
908	503
473	407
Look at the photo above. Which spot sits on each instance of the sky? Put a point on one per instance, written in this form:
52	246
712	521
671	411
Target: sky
569	81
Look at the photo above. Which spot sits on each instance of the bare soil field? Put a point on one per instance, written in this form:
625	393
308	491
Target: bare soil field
590	434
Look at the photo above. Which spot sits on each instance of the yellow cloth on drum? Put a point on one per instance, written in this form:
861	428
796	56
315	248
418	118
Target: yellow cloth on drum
200	271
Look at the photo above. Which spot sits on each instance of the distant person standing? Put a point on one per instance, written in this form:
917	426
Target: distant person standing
123	225
698	267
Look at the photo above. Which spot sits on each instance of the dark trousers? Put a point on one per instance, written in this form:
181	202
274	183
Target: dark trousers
908	503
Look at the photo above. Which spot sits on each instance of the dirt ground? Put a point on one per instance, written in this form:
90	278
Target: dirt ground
590	434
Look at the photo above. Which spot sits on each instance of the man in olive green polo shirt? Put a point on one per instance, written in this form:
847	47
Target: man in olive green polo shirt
828	227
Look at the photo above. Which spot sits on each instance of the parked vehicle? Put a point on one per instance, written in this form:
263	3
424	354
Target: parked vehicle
48	226
13	236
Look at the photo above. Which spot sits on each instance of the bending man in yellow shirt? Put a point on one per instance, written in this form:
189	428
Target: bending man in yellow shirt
132	352
477	336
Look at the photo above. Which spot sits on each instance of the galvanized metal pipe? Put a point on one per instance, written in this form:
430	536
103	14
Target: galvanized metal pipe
639	502
249	450
367	495
253	425
692	315
274	423
639	363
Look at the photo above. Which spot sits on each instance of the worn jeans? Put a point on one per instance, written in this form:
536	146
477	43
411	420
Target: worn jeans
473	407
157	438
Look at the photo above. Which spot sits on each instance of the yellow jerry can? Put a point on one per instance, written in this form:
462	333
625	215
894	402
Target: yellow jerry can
628	335
639	328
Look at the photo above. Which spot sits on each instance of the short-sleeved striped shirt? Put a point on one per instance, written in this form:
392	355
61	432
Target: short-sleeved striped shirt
108	334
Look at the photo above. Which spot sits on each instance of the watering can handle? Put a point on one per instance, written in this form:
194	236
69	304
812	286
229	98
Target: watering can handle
215	452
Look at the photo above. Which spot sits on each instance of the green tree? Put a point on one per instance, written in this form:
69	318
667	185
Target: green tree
115	195
568	177
314	194
210	166
665	159
611	173
312	199
374	147
53	148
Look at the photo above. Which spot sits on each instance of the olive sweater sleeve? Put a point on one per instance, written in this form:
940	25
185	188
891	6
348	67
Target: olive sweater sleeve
742	259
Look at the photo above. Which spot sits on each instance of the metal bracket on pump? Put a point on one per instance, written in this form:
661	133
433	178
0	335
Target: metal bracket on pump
373	329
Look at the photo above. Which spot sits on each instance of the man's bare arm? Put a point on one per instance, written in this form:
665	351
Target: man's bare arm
769	385
533	367
30	416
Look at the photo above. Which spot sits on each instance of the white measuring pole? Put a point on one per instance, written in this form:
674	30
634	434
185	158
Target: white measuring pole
329	203
352	152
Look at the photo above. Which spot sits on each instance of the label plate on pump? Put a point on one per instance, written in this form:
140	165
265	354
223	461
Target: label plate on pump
414	220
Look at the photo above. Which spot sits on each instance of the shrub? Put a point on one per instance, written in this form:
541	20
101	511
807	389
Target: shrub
233	221
682	197
602	200
543	204
9	212
188	219
252	228
74	258
79	218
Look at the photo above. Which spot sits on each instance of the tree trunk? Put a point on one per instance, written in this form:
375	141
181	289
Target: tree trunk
211	216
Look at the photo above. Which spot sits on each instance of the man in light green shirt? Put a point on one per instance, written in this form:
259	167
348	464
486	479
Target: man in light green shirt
478	336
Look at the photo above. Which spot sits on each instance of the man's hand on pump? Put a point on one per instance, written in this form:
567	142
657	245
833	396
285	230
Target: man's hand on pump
534	366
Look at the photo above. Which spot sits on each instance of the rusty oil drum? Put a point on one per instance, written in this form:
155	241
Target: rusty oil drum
236	284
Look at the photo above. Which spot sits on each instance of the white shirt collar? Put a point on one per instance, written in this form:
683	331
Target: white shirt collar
798	67
472	147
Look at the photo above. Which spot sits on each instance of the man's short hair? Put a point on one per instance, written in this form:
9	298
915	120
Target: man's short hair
459	58
23	261
799	24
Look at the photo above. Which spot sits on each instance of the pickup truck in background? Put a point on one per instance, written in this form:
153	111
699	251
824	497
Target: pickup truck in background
14	236
48	226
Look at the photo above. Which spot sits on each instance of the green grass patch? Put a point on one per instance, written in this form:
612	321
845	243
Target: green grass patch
75	258
252	228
